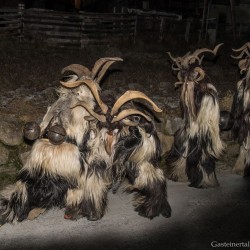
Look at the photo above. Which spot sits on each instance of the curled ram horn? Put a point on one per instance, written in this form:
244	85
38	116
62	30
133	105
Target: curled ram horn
98	71
176	61
201	73
92	86
195	55
243	65
241	54
214	51
127	112
101	66
85	105
122	116
244	47
78	69
130	95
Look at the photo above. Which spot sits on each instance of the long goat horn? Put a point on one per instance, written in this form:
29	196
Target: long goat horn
197	52
78	69
92	86
124	113
214	51
175	60
130	95
101	66
239	56
245	46
201	73
85	105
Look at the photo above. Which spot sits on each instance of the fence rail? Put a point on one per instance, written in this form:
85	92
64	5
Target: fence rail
67	29
10	23
79	30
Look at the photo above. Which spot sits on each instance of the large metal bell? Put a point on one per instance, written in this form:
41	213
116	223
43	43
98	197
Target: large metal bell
57	134
31	131
226	120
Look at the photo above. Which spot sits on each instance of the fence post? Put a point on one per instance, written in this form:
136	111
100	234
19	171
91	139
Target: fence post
82	38
161	28
21	8
135	28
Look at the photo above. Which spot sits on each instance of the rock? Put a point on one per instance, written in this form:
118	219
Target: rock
166	142
136	86
171	124
4	155
23	157
166	85
10	131
172	102
113	52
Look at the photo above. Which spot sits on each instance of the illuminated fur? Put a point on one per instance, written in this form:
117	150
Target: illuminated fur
69	173
197	143
90	199
137	158
51	170
241	113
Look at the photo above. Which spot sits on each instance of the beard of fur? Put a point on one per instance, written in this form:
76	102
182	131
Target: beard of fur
46	158
145	150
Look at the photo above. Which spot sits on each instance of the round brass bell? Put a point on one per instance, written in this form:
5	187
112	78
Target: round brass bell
57	134
31	131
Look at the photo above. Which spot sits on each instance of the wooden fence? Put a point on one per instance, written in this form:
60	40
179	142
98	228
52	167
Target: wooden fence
79	30
10	23
54	28
67	29
82	29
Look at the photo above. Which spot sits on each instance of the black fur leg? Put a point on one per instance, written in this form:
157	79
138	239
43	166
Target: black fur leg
96	186
150	199
175	161
247	170
152	202
203	175
3	207
151	208
200	166
34	191
16	206
90	211
44	190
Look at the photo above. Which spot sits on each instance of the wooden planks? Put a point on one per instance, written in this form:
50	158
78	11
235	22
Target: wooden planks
10	23
79	30
107	28
54	28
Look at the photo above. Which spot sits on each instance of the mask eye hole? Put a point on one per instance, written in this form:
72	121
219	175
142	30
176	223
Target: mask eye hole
136	118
